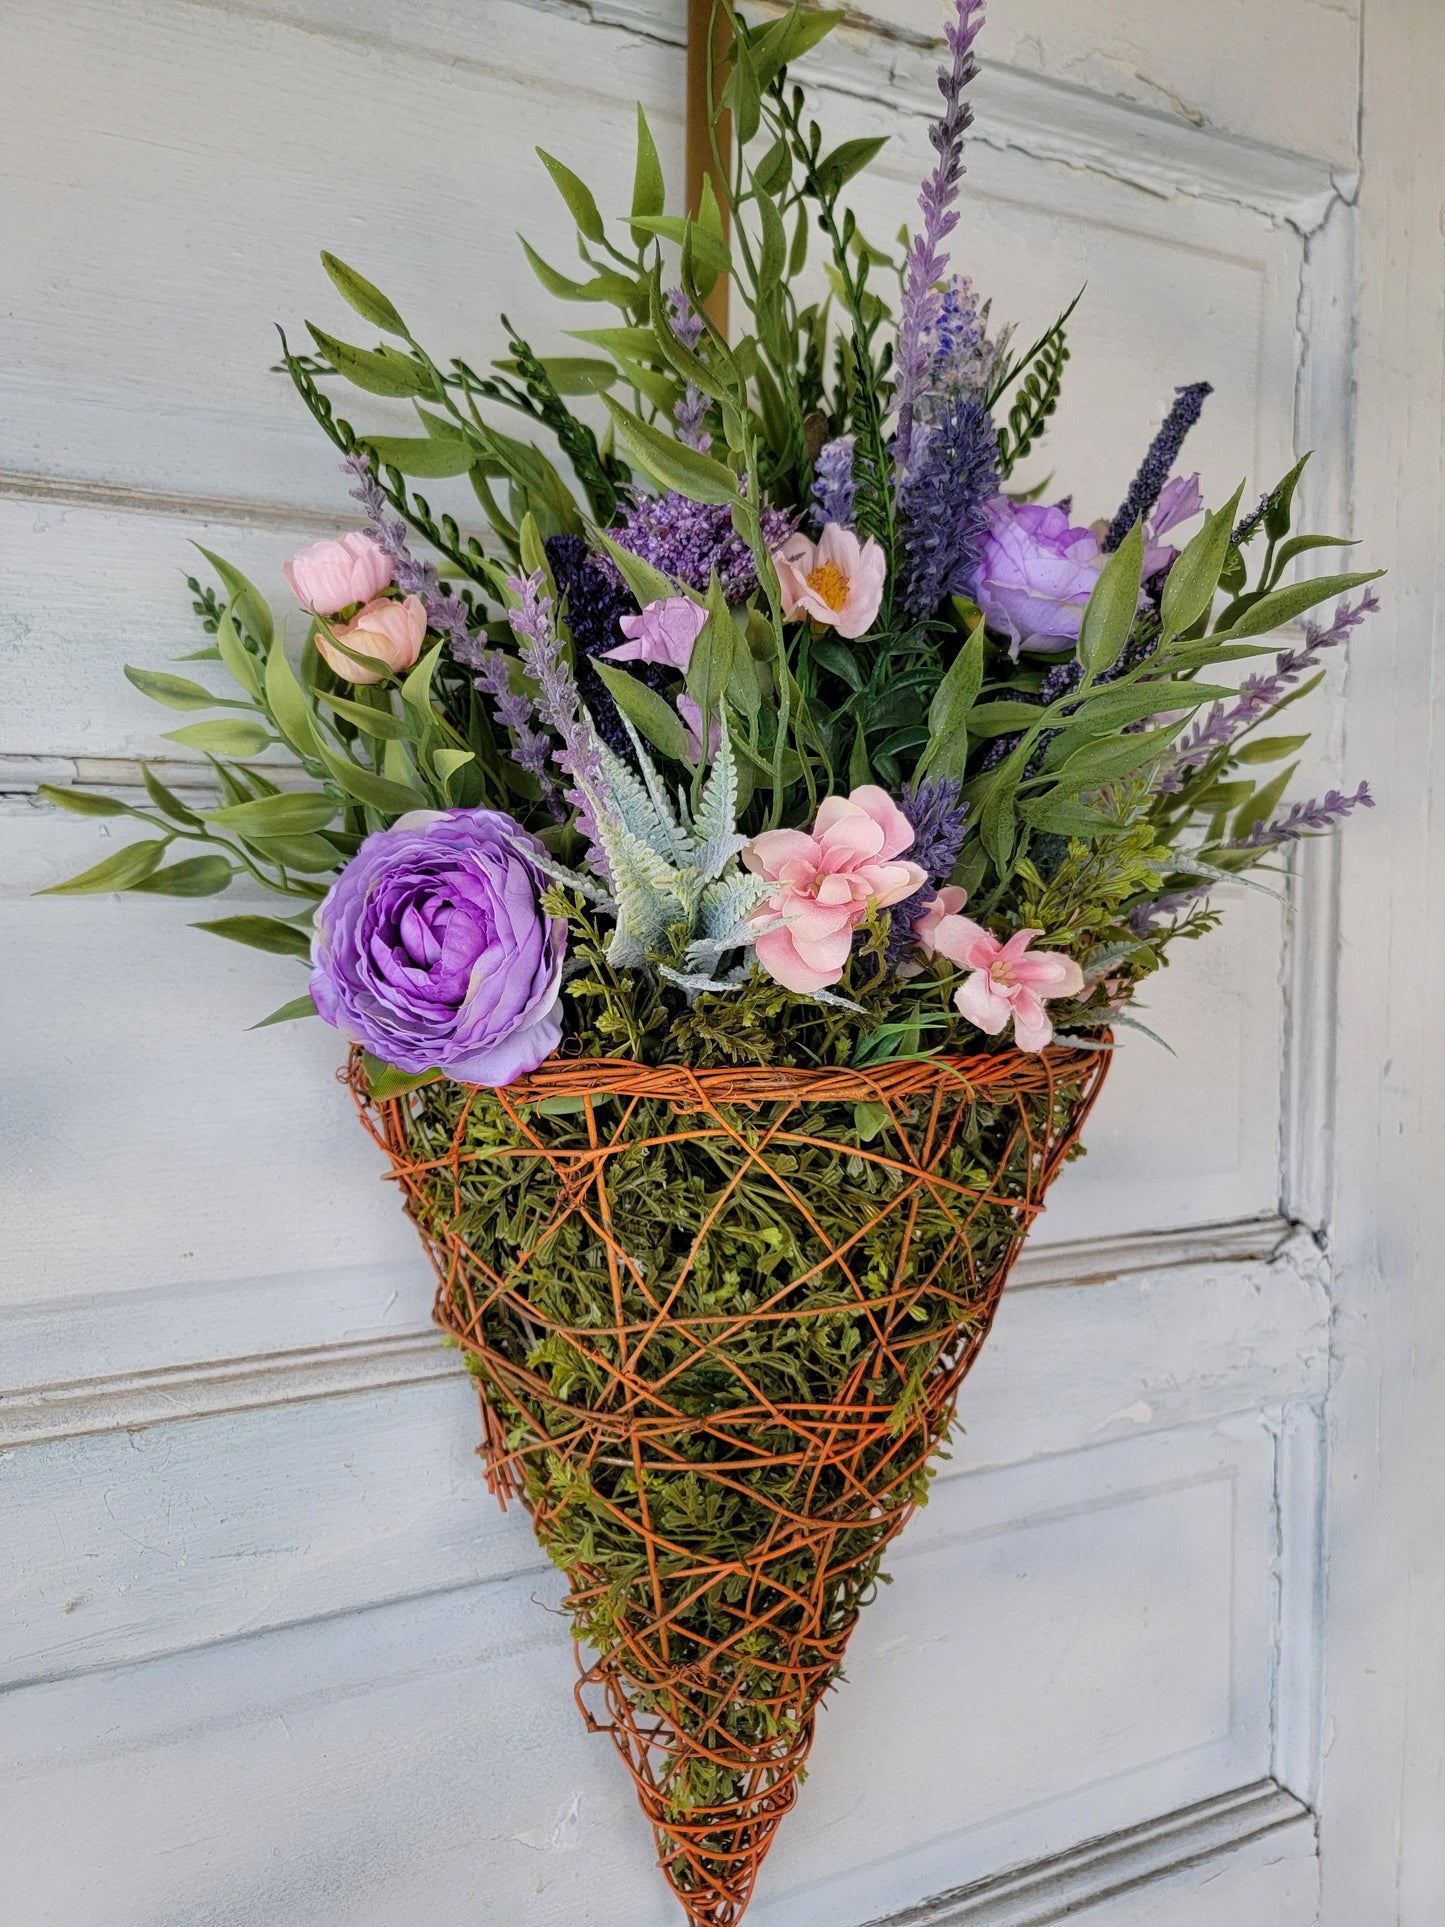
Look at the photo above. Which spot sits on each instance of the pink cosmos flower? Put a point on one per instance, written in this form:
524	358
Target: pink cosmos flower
827	879
836	580
949	901
1005	981
391	632
329	575
665	632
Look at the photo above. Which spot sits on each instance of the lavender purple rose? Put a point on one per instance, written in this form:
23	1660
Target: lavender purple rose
433	952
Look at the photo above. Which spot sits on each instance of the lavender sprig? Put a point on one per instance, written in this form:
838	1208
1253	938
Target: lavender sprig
1308	819
447	615
560	708
1158	464
691	412
834	487
530	747
942	502
926	260
938	820
1258	694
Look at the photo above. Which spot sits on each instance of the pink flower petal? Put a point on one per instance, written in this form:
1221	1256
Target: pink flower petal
980	1002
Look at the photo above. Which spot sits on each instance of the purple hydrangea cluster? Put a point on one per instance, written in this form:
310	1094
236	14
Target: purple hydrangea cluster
689	540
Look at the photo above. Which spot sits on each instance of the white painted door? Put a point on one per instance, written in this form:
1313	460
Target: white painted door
268	1654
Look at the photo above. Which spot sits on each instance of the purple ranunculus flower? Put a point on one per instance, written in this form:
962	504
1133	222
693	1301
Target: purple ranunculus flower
1036	574
432	949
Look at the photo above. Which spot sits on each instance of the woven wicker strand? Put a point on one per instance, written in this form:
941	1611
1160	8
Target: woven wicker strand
679	1704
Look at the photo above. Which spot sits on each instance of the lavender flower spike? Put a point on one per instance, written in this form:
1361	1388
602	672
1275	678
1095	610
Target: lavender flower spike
447	615
926	260
691	412
561	708
833	485
1148	485
944	523
1309	819
514	713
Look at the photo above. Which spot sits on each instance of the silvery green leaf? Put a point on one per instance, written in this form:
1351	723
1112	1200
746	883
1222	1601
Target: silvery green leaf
725	905
715	825
838	1003
643	805
694	983
586	886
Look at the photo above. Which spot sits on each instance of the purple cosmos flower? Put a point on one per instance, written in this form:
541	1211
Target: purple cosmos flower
433	952
1036	574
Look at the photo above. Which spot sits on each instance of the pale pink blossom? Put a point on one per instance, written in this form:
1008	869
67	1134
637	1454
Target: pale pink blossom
836	580
827	881
1006	982
330	575
664	632
949	901
690	711
392	633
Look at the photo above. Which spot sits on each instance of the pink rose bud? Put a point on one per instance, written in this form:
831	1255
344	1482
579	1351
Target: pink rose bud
329	575
391	632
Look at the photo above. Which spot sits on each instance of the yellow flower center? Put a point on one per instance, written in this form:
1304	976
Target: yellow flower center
829	584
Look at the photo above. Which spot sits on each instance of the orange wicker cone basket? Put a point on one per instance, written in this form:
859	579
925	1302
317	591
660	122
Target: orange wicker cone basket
718	1341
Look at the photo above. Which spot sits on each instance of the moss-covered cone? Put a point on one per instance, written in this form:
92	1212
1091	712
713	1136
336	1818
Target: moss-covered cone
719	1320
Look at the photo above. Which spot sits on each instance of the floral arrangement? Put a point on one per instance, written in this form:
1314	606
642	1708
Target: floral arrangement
771	726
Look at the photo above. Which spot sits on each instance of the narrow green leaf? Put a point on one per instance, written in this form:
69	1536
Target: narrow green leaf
1268	749
670	463
167	801
1113	605
241	665
176	692
287	702
577	194
569	374
288	1013
650	714
120	871
82	802
262	933
948	713
711	663
359	294
1281	502
1096	764
710	253
379	792
197	876
427	455
289	814
788	39
249	603
228	736
1056	815
1189	591
380	371
649	189
375	722
1260	806
306	852
835	170
384	1080
1283	605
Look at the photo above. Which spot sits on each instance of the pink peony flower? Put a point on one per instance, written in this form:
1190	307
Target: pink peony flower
949	901
836	580
1006	982
390	632
827	880
665	632
329	575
